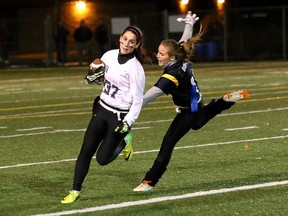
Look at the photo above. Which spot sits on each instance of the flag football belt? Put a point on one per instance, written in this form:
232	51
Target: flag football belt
115	110
179	109
194	98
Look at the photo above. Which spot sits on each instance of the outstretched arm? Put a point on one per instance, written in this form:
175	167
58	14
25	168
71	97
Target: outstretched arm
151	94
189	21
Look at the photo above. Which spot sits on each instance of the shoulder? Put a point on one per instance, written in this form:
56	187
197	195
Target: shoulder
135	63
173	69
110	54
179	69
134	67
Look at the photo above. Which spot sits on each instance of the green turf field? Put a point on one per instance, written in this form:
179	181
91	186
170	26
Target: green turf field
236	165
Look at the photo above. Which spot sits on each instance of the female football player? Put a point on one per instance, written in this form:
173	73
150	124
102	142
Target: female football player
178	80
117	108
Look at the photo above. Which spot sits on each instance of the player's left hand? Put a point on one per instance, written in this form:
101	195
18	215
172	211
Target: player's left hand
123	127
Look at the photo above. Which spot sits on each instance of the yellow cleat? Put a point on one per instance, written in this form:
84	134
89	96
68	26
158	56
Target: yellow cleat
72	196
128	150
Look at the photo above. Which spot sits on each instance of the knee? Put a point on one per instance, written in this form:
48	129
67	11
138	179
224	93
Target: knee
197	126
102	161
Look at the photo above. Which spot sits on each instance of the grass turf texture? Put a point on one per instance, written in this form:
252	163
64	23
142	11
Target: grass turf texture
44	113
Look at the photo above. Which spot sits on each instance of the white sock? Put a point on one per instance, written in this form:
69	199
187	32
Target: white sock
78	192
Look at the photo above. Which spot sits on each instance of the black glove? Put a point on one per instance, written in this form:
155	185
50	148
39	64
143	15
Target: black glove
95	75
123	127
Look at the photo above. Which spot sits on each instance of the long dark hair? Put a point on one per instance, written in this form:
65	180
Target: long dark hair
140	53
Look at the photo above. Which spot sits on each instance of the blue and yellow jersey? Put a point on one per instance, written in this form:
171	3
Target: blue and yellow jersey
176	81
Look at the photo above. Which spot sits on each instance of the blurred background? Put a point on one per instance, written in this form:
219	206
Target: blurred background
238	30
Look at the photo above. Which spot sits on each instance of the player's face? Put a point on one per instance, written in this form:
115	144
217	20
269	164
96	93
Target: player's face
128	42
163	55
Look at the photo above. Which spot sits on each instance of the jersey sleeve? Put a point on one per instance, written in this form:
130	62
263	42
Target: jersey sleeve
167	83
137	82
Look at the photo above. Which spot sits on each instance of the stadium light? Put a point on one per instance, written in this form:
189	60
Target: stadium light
81	5
183	5
220	4
80	9
184	2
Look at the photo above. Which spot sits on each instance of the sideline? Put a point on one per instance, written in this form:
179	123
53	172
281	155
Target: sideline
166	198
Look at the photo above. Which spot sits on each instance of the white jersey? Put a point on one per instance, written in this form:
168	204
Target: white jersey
124	85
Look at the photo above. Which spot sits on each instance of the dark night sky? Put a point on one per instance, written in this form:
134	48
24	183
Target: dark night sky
211	4
197	4
256	3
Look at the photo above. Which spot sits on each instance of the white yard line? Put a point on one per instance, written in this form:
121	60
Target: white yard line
255	111
139	128
156	150
53	132
87	109
136	123
166	198
242	128
35	128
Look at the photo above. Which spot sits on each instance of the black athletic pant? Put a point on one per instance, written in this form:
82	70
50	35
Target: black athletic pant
181	124
101	137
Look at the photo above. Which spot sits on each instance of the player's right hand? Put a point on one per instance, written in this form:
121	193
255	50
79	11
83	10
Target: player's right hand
94	77
123	127
95	73
189	19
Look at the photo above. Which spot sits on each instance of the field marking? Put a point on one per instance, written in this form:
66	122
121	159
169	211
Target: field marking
35	128
242	128
255	111
219	143
56	98
48	112
206	94
45	106
167	198
63	112
137	123
36	79
42	133
52	132
85	102
154	150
